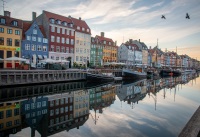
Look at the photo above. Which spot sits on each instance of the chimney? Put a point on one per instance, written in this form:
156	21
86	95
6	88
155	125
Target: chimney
69	16
33	16
7	13
115	43
149	47
139	40
130	41
79	18
102	34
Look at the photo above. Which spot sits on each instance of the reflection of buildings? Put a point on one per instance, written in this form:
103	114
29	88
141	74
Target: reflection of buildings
33	111
132	92
10	119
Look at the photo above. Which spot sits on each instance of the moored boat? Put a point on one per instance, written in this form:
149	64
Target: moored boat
166	72
98	77
129	74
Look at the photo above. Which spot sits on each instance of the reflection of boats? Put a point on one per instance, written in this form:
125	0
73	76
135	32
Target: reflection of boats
98	77
129	74
166	72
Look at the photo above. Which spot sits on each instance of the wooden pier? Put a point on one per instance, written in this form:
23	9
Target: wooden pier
21	77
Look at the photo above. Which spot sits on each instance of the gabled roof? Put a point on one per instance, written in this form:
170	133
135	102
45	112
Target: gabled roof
81	24
50	15
144	46
27	25
9	21
102	39
132	47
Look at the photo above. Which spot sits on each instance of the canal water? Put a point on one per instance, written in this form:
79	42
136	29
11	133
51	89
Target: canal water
144	108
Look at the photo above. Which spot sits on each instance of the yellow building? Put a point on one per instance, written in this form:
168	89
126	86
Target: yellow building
10	39
109	48
9	115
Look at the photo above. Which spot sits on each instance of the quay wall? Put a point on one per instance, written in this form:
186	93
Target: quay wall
22	77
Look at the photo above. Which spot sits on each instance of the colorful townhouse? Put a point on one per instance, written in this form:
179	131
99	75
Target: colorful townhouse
96	52
130	54
34	44
109	48
82	42
10	39
60	32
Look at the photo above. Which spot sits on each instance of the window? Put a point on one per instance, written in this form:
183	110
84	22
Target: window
52	21
9	54
32	105
77	58
39	48
27	107
57	101
28	37
9	31
58	30
9	42
38	113
1	30
51	121
77	50
52	48
44	48
16	111
67	40
61	110
52	29
66	109
88	30
72	41
1	41
57	58
1	126
65	23
57	111
104	42
67	32
3	21
33	47
8	113
57	49
63	31
45	40
63	40
33	38
52	39
27	46
33	121
58	22
8	124
71	50
67	49
34	31
62	49
58	39
17	42
1	114
51	112
83	29
39	39
78	28
15	23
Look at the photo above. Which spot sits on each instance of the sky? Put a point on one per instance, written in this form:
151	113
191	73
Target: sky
122	20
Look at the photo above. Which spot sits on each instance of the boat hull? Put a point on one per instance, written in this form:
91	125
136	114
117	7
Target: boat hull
166	73
128	74
98	77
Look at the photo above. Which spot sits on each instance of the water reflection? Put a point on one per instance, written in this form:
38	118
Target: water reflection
50	109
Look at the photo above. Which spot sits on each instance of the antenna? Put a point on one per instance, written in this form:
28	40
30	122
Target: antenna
3	5
157	43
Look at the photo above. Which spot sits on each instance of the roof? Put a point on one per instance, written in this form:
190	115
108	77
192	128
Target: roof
50	15
27	25
69	20
81	24
9	21
102	39
133	46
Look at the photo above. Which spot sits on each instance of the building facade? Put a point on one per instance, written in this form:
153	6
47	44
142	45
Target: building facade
10	39
34	44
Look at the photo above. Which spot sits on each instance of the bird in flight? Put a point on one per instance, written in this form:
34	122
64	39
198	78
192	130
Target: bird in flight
187	16
163	17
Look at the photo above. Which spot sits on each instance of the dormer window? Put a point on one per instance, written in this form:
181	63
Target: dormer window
109	43
88	30
104	42
34	31
52	21
65	23
58	22
71	25
14	23
3	21
83	29
78	28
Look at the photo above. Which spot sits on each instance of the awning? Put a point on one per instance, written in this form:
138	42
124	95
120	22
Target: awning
45	56
40	56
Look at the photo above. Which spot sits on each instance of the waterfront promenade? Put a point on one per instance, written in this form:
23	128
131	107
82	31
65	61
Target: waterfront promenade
192	128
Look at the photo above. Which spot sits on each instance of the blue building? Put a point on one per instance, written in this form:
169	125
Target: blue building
34	44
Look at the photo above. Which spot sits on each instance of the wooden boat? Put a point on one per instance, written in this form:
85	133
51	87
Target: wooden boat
129	74
98	77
